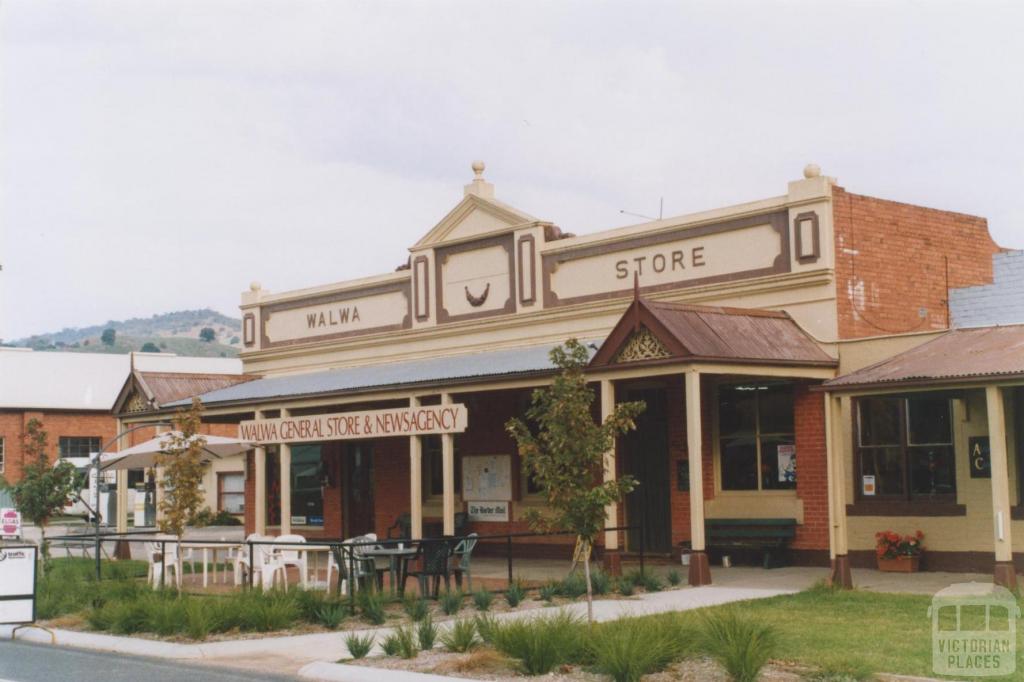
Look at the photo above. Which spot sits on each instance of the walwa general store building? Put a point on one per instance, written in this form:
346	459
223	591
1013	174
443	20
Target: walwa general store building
388	395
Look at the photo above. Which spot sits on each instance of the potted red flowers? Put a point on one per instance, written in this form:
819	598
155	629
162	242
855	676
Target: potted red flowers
898	553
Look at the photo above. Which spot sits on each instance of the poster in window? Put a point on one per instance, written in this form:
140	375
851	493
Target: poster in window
981	460
868	485
787	463
487	478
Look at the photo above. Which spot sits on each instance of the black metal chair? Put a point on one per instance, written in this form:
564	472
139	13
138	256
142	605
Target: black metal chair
435	563
401	529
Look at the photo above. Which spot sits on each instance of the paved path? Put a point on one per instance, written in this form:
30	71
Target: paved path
24	662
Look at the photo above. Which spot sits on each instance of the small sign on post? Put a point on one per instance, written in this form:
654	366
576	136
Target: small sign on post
10	524
17	584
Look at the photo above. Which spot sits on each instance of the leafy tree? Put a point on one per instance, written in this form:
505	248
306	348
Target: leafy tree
566	454
182	480
43	490
149	347
109	336
207	334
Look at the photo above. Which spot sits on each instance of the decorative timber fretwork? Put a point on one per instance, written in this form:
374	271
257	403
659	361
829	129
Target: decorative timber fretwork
137	403
643	345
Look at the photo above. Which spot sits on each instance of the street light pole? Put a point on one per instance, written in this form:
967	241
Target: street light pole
96	468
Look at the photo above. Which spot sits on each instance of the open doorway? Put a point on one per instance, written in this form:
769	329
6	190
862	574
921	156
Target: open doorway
645	457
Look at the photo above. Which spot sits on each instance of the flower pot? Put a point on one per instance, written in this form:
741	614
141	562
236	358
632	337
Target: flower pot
902	564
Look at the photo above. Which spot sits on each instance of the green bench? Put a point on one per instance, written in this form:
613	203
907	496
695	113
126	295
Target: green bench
772	536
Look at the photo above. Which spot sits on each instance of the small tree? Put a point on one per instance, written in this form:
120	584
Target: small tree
566	455
182	465
207	334
109	336
149	347
43	490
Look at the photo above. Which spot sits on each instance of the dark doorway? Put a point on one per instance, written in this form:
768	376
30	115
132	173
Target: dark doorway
357	491
645	457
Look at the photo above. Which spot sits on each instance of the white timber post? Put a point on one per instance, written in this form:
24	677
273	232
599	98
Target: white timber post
700	569
259	464
1004	573
448	472
285	451
415	481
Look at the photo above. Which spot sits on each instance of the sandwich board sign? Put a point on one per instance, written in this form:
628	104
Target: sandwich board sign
10	523
17	584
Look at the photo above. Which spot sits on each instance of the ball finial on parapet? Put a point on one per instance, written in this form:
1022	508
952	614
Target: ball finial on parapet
812	170
478	169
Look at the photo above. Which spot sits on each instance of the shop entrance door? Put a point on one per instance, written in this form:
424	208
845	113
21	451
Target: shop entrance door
646	458
357	492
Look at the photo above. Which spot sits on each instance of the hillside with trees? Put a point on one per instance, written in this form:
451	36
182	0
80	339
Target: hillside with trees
202	333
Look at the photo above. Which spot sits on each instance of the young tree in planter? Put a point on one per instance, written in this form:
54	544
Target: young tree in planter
43	490
182	479
566	454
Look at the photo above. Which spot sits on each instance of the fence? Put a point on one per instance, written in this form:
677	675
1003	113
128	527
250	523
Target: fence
352	557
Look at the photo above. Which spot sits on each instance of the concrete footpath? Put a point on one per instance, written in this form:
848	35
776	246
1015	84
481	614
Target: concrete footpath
313	656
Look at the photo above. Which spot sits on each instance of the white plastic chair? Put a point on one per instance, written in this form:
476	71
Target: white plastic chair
267	564
158	567
292	556
241	557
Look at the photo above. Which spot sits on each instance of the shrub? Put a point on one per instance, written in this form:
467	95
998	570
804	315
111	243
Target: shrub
742	645
540	644
574	585
483	599
629	648
426	633
650	582
331	615
359	645
371	606
451	601
549	591
416	608
515	594
460	637
600	582
626	587
674	578
635	577
308	602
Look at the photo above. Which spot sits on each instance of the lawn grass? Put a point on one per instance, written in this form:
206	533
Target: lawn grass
852	630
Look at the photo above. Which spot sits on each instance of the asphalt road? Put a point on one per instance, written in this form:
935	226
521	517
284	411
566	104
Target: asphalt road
24	662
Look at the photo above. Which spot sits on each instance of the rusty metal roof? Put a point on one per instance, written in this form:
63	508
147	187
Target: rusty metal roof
958	356
166	387
717	334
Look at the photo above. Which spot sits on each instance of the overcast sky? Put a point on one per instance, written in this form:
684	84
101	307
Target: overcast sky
160	156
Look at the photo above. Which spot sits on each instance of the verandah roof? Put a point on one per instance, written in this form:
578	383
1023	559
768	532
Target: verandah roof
958	356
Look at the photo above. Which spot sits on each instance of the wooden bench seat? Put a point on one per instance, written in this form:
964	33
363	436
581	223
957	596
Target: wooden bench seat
770	535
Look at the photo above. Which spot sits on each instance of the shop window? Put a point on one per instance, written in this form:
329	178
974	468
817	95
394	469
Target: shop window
756	443
77	446
307	493
136	477
905	449
231	492
433	468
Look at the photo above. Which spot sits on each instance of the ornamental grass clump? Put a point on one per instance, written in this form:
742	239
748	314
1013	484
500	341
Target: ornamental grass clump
359	645
426	633
483	598
486	626
451	601
548	592
540	644
740	644
674	578
416	608
629	648
626	587
650	583
572	586
515	594
461	636
600	582
402	642
331	615
371	606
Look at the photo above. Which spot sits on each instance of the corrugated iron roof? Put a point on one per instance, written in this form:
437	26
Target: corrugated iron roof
738	333
167	387
956	356
509	362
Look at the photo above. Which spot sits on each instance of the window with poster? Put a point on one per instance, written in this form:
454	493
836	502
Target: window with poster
905	449
756	444
231	492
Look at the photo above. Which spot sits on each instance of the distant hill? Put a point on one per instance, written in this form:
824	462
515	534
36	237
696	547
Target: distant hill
177	332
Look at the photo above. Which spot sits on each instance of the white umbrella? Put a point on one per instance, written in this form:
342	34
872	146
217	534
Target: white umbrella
143	455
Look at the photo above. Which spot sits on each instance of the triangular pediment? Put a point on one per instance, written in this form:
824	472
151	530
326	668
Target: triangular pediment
474	217
638	337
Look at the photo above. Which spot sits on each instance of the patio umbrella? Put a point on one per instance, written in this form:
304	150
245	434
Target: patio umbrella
143	455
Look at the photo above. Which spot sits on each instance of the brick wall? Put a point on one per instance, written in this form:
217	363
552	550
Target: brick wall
890	263
812	468
14	424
